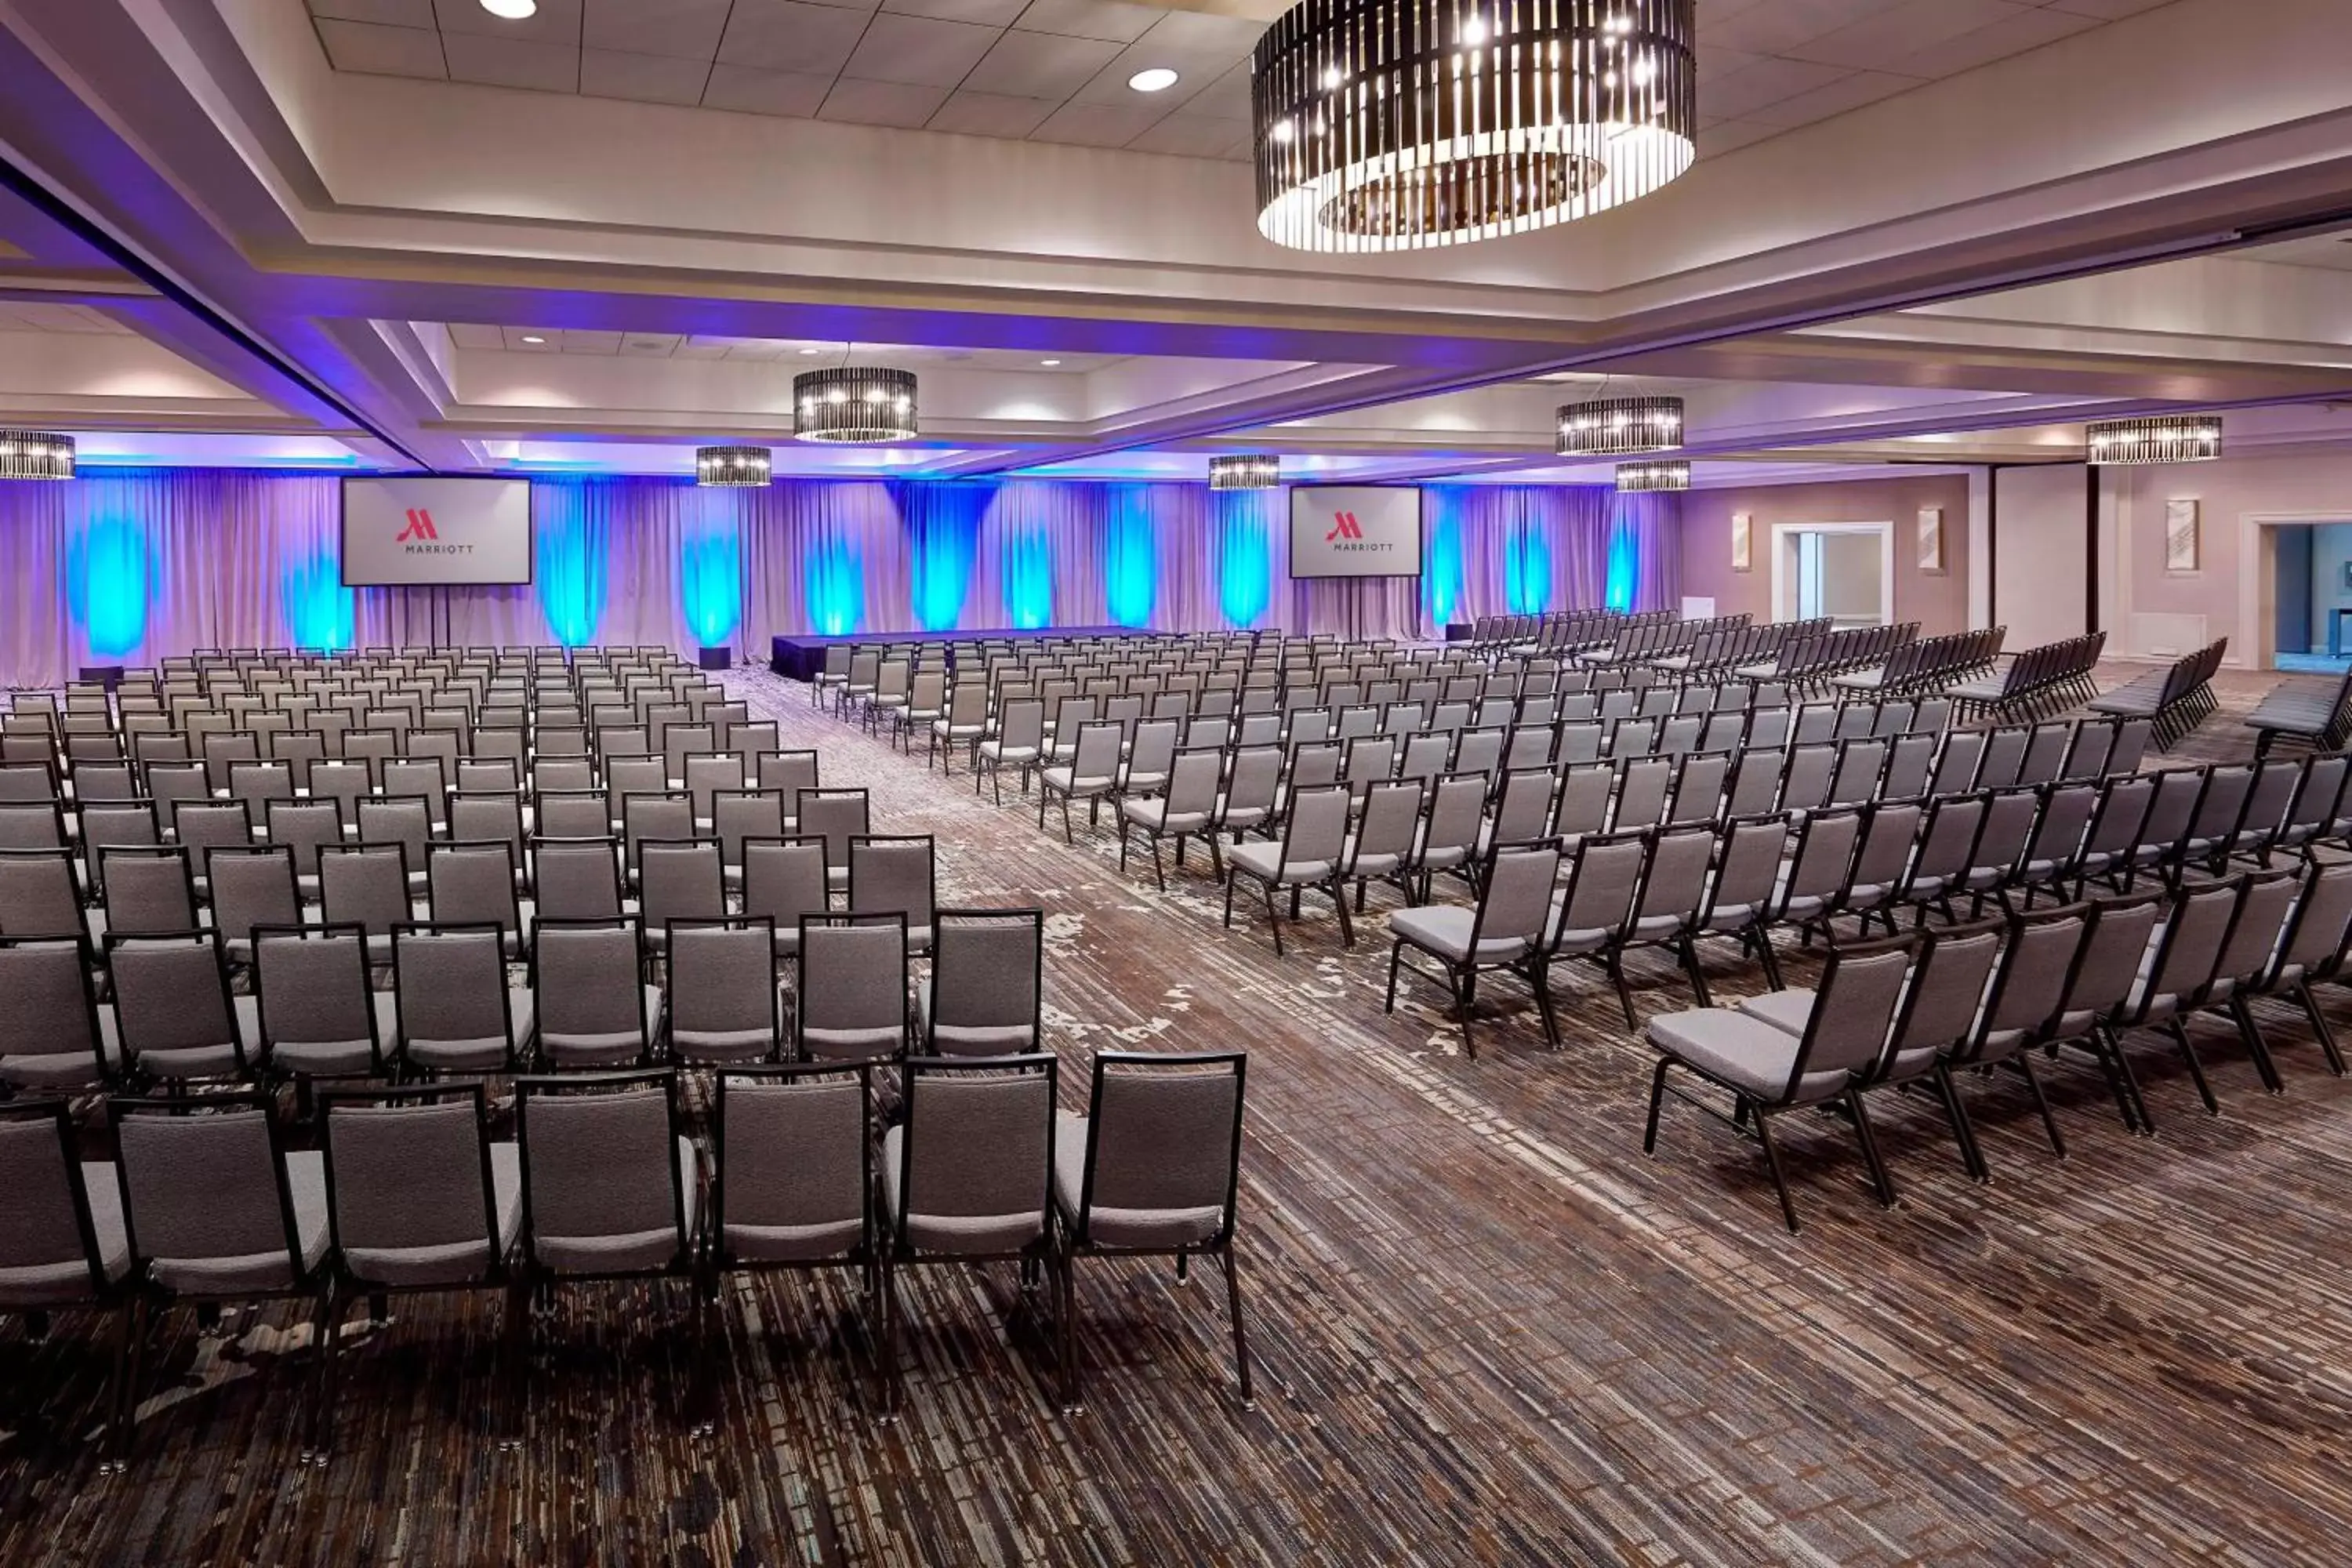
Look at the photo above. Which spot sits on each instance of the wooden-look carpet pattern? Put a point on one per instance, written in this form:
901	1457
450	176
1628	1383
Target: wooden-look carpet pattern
1488	1331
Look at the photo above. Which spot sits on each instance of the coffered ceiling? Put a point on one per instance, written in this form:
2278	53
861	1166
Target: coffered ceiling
1920	231
1058	70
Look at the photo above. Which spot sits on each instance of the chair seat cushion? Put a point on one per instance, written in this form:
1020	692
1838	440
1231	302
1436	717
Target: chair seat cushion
1265	862
629	1252
1788	1010
1747	1055
1446	929
951	1233
485	1054
75	1069
793	1243
1115	1226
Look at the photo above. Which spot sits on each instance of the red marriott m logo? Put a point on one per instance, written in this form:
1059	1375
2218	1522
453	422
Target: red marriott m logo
420	527
1346	527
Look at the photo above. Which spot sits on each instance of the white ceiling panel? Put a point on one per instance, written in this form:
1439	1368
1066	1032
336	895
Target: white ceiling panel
648	78
796	93
1099	124
382	51
688	30
882	102
993	114
511	62
987	12
783	35
1040	64
923	51
1109	19
389	13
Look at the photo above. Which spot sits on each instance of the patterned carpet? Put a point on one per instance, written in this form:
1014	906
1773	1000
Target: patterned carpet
1488	1329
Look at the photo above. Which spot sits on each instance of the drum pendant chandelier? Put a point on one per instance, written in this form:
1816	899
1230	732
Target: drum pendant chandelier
2167	438
35	454
733	467
855	404
1245	471
1655	476
1403	125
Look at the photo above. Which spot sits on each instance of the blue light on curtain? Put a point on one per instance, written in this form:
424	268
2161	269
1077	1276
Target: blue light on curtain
1131	558
1246	556
107	569
1624	562
1028	571
570	566
836	574
943	524
318	610
1527	568
710	577
1441	566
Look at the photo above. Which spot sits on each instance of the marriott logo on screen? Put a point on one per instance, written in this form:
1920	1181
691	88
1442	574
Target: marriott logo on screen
1347	533
423	538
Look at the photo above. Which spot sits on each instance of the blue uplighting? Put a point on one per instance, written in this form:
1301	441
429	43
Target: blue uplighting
1440	567
318	610
835	574
711	579
1625	563
1130	557
1246	556
1527	568
1027	569
943	537
571	567
107	569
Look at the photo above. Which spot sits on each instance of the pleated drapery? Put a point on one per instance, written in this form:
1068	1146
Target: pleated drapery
130	567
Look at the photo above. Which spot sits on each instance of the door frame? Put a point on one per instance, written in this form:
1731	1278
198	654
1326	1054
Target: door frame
1885	532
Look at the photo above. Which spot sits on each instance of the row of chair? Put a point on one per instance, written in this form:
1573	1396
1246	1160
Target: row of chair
2035	684
205	1203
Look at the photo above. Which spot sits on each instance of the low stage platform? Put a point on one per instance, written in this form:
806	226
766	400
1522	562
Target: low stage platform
803	658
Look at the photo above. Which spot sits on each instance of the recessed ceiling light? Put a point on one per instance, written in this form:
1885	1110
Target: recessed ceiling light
511	10
811	351
1158	78
534	339
1049	363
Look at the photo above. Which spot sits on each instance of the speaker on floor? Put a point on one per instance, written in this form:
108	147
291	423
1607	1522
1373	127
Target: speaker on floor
719	659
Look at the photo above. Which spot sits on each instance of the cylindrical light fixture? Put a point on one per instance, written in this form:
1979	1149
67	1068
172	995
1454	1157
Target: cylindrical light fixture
733	467
1657	474
2165	438
35	454
1614	426
854	403
1245	471
1401	124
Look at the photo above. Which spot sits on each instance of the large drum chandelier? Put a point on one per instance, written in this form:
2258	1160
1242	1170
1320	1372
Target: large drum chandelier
733	467
854	403
1245	471
2167	438
1617	426
1659	474
1401	124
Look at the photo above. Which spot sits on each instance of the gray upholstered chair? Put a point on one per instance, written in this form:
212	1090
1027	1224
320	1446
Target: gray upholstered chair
723	1006
1501	934
895	875
456	1013
370	885
850	996
1184	810
1153	1170
318	1017
2020	1009
39	895
677	880
593	1011
1767	1071
785	880
419	1199
612	1189
62	1246
982	996
969	1177
252	885
174	1014
215	1211
1311	853
1092	775
148	889
54	1037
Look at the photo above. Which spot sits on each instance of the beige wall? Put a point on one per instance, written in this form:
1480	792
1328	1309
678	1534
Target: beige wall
1939	604
2151	610
2042	564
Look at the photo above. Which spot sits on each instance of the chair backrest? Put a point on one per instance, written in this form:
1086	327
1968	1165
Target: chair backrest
585	989
305	827
679	880
723	1000
205	1201
2315	943
851	998
1163	1150
1673	881
1605	874
252	886
1754	849
577	879
365	885
1853	1016
411	1199
794	1162
895	875
833	816
1940	1007
602	1173
783	879
2190	949
48	1246
49	1004
470	883
37	894
148	888
976	1153
985	997
2257	927
1826	844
